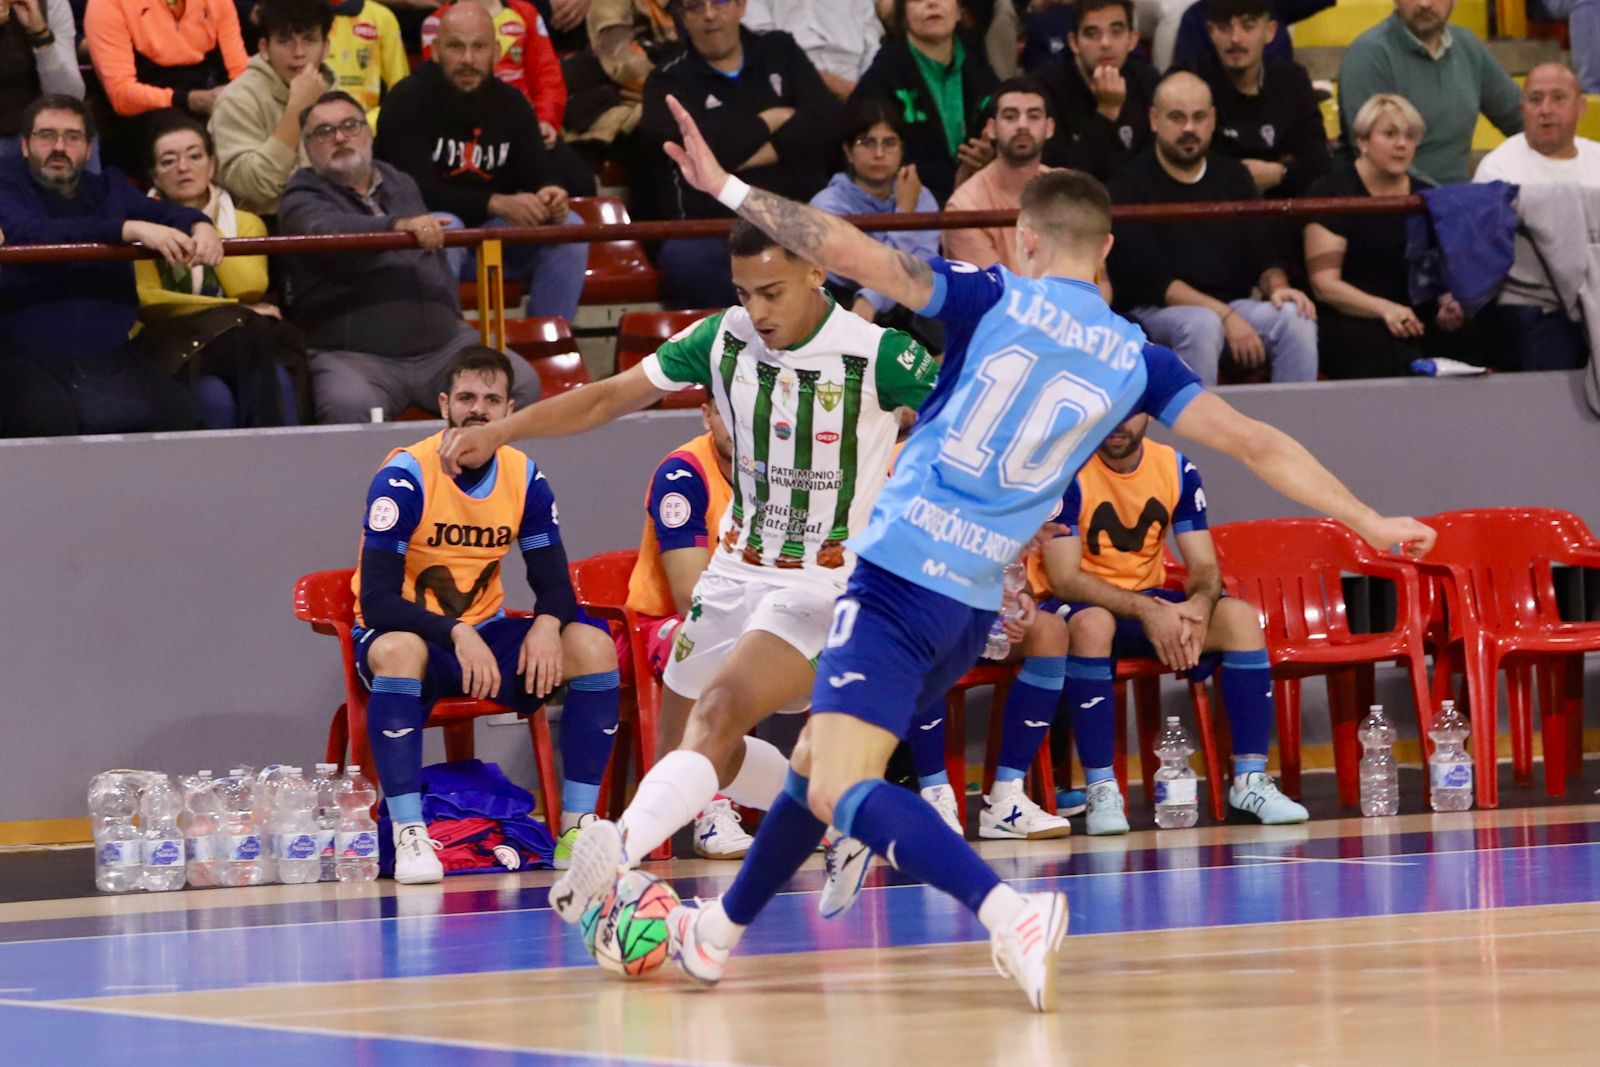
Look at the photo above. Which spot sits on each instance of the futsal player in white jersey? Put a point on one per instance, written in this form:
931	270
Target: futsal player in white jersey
810	392
1037	371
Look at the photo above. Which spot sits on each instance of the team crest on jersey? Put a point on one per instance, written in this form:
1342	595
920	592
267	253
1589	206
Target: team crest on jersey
675	510
1125	135
682	647
777	82
1269	134
783	430
515	54
830	393
363	57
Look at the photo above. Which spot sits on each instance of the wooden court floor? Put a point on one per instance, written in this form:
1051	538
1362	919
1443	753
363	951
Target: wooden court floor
1459	939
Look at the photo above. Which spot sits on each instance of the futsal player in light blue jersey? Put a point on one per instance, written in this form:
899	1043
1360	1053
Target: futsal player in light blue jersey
1037	371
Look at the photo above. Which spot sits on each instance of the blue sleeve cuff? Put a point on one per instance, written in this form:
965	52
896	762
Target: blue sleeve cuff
935	304
1179	401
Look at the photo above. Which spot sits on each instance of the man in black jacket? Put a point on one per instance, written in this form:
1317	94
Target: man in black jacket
1100	92
767	115
472	144
1267	114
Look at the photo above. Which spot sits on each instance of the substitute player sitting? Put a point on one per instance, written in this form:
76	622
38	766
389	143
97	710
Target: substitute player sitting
689	492
1038	370
1107	574
429	620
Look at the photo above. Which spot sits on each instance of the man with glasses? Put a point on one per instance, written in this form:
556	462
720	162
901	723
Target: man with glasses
67	365
765	112
383	326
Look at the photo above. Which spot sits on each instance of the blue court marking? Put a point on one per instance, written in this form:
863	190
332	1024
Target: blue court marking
1265	883
41	1035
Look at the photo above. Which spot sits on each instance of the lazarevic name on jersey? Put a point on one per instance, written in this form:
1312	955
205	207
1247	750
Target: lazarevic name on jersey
1036	373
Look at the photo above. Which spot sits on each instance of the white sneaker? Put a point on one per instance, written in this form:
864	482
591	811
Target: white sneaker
718	834
1259	797
698	957
416	859
1028	951
943	799
1010	814
1106	817
596	863
846	861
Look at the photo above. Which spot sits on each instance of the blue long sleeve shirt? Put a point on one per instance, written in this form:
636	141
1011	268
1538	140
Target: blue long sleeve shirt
841	196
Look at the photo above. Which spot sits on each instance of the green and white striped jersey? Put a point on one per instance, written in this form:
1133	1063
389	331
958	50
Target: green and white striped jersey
813	433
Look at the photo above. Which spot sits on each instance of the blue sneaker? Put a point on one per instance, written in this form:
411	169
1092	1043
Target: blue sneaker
1071	801
1259	798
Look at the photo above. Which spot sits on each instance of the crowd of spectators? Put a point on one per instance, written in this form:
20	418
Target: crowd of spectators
208	119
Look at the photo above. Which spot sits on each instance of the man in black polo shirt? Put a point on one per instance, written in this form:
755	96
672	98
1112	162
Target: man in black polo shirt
1100	92
472	144
765	112
1187	282
1267	114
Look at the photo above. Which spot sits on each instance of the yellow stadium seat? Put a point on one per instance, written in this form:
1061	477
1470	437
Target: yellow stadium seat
1589	125
1337	26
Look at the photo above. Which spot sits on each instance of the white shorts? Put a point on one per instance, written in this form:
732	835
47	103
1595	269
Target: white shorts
725	609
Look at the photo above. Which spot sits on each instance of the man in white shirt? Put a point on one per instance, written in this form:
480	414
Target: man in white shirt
1549	150
840	37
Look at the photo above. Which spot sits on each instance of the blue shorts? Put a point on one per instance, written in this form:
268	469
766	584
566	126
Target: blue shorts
1129	640
442	678
893	647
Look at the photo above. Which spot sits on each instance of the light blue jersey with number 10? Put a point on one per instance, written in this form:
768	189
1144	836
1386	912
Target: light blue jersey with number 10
1037	372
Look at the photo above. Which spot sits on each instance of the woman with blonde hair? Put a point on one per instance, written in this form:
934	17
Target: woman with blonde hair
1367	326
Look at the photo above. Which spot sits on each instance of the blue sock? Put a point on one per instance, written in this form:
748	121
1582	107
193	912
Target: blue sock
1091	775
1247	692
926	740
588	726
1030	708
1093	727
906	831
394	726
787	836
407	807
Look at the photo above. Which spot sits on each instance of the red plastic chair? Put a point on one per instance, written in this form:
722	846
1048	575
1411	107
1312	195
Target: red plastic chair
1494	566
639	333
547	343
323	599
1291	571
618	271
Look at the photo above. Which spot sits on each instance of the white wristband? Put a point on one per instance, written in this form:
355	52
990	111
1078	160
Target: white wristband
734	190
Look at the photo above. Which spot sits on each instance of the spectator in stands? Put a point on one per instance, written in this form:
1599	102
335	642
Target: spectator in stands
365	52
1366	324
877	180
840	37
383	326
1267	113
1583	32
765	112
1188	283
1194	36
526	61
605	82
218	328
256	122
1444	71
1158	23
37	58
945	87
471	143
67	365
1019	129
149	59
1531	328
1100	92
1045	26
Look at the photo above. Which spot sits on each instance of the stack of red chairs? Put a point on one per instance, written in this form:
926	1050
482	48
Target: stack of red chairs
639	333
547	343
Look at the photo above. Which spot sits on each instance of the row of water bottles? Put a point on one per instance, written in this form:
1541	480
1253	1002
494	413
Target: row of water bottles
1449	768
246	828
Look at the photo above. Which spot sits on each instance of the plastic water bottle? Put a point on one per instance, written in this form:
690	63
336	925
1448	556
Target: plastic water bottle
296	830
163	841
1380	777
203	846
1450	767
118	847
327	785
268	781
241	861
1177	792
998	646
355	843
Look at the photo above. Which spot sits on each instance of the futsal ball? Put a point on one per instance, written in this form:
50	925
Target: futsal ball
627	931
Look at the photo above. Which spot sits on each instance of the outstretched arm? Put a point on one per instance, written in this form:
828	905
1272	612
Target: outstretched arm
825	240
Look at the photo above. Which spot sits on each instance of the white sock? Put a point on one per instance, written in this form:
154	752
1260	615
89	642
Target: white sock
717	927
668	798
761	776
1000	908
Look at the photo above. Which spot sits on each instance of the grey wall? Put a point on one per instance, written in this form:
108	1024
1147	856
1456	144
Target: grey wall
148	593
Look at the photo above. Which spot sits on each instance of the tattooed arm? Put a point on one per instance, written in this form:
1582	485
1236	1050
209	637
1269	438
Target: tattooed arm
824	239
